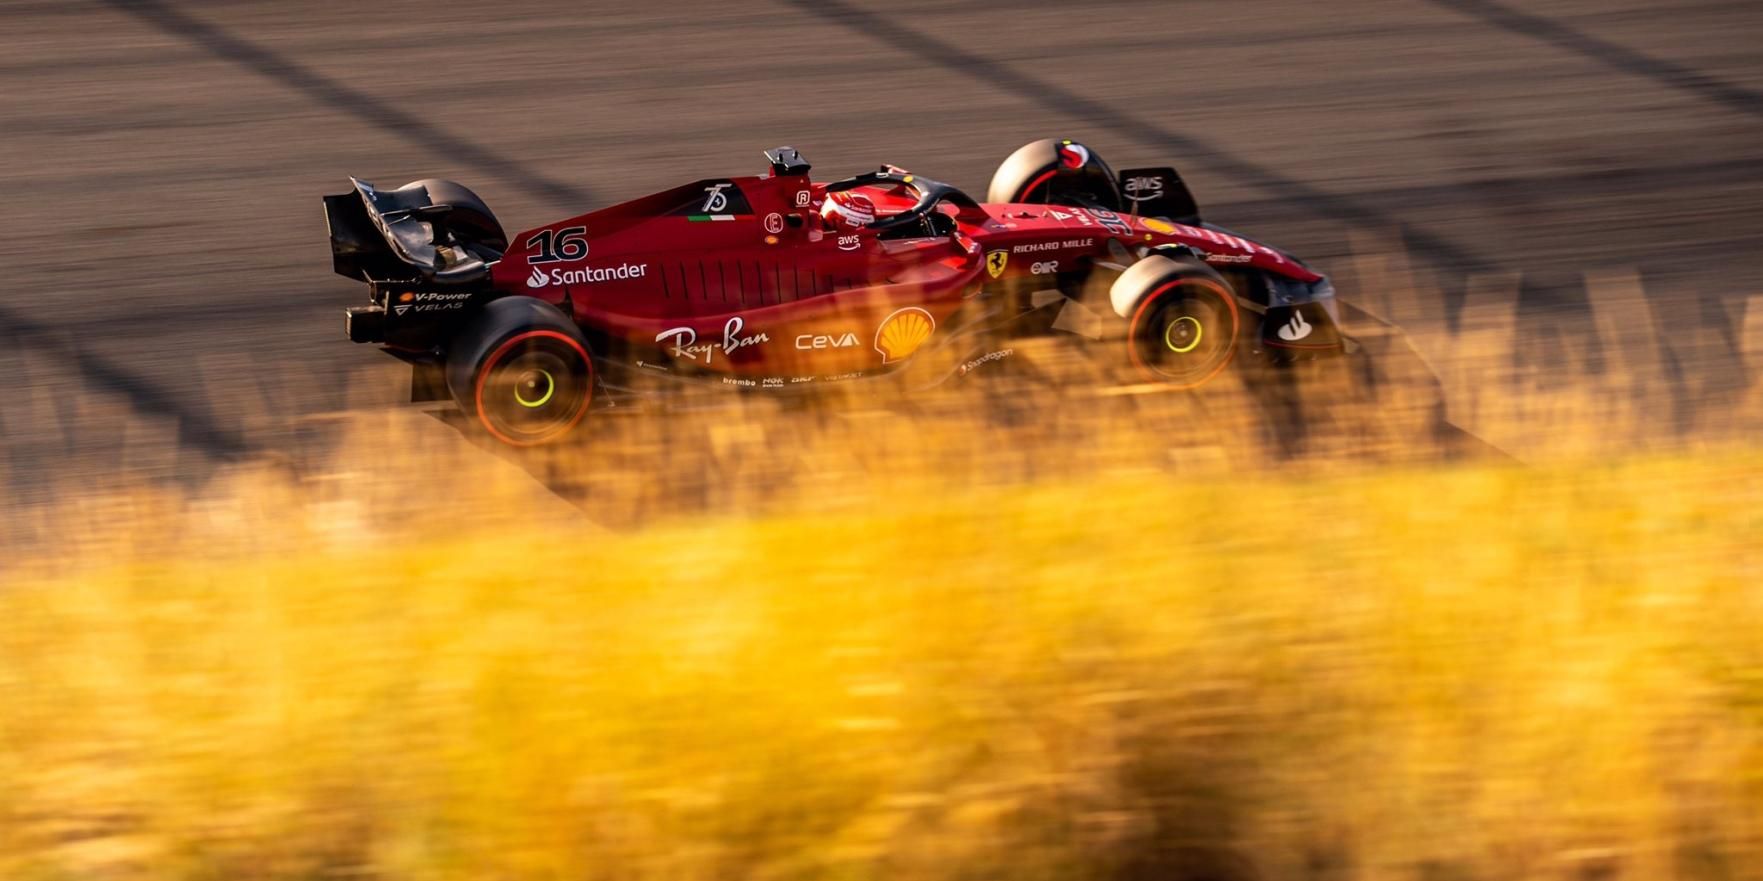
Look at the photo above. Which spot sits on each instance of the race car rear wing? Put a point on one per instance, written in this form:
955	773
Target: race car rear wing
1158	192
393	236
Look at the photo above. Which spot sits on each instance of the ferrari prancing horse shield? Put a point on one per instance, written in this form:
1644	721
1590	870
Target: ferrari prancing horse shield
995	262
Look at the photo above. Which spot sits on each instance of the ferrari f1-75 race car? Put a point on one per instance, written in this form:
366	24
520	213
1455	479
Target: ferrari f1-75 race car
780	284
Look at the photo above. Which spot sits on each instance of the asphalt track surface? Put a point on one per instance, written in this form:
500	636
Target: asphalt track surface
161	160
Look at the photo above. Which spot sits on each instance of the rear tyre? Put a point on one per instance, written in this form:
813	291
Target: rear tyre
1055	171
1182	320
522	370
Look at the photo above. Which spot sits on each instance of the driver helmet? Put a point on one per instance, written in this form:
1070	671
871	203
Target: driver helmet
847	212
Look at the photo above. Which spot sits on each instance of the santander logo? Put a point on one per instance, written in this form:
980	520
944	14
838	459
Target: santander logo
1296	329
586	275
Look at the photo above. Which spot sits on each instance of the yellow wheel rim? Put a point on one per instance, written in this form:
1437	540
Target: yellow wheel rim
1170	337
550	387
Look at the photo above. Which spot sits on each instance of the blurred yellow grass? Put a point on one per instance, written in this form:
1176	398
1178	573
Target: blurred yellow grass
1467	672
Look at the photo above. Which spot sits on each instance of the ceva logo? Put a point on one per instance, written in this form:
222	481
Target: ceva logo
826	341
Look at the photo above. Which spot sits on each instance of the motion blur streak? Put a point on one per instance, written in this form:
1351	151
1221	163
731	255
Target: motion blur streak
365	108
1667	73
194	429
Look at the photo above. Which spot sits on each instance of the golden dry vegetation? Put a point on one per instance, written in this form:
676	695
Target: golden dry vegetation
783	644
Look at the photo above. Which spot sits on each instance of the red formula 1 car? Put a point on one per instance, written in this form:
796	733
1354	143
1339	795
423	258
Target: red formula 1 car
778	284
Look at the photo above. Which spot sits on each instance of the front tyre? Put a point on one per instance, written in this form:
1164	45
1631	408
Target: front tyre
522	370
1055	171
1183	322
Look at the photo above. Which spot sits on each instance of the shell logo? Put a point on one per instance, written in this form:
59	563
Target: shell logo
901	333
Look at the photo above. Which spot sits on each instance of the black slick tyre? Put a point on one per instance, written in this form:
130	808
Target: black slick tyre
1183	324
521	369
1055	171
